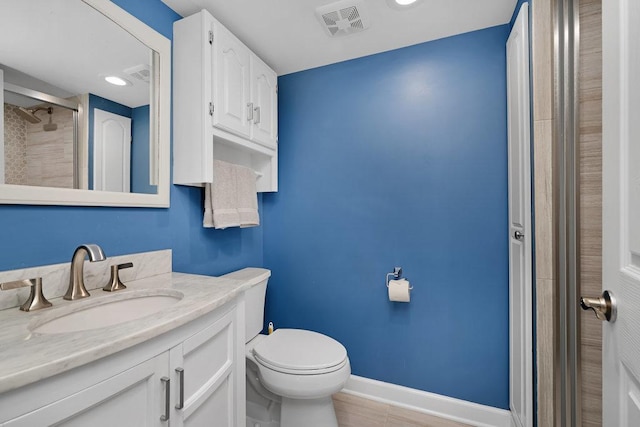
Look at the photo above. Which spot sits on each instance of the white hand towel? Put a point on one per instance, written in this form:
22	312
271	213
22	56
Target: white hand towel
247	197
221	198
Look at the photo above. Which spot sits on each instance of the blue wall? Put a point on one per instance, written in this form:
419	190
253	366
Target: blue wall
35	235
399	159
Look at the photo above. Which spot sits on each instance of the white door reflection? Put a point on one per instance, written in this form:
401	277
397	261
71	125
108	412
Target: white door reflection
112	152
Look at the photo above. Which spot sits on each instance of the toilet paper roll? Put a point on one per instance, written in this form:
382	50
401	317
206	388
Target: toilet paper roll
399	290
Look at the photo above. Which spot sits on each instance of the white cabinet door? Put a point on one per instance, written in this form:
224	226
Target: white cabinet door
134	398
264	95
231	79
206	362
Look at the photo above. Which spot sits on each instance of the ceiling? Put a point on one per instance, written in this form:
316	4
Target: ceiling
64	48
289	37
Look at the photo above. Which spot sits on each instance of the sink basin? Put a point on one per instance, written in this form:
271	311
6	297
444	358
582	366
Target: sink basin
107	311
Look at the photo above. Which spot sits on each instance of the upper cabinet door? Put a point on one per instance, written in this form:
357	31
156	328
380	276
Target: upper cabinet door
231	90
264	94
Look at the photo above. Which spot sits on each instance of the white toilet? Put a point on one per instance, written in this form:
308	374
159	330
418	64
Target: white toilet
292	373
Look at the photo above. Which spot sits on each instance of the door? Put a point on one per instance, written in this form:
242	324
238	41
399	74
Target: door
520	276
621	210
111	152
264	94
232	110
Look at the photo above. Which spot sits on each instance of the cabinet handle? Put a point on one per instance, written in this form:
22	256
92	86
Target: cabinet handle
167	396
257	119
249	111
180	372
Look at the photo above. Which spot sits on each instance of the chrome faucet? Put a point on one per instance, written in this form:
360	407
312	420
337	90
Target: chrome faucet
76	278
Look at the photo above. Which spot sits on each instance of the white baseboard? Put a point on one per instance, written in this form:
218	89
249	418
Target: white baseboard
429	403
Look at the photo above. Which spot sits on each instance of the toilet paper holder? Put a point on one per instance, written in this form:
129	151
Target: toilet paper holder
397	274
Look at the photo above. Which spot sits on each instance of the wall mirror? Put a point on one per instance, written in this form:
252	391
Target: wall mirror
85	89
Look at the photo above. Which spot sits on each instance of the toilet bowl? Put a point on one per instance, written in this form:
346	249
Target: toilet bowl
304	369
291	373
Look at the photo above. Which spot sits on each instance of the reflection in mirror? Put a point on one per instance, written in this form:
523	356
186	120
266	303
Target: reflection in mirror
60	54
40	139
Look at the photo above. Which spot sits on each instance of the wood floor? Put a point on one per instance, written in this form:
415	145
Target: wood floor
355	411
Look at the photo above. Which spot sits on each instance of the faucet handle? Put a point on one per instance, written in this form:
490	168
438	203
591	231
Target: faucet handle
36	299
125	265
115	284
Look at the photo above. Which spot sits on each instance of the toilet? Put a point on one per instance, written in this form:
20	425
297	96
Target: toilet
292	373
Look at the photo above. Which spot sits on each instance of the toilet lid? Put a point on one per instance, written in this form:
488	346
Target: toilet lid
299	351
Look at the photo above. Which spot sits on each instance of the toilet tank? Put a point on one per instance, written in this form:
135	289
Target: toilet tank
254	297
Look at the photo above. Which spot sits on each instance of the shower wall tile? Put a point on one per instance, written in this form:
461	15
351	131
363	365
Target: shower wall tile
15	139
542	47
590	241
50	154
543	194
545	231
36	157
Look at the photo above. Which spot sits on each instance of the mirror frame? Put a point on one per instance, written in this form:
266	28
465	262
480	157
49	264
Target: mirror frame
31	195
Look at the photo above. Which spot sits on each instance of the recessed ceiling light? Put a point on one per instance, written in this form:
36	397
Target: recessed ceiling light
402	4
118	81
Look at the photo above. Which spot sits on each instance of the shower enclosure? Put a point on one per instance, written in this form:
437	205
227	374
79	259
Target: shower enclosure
40	139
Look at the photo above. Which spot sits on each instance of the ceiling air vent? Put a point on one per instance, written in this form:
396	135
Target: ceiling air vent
140	72
343	17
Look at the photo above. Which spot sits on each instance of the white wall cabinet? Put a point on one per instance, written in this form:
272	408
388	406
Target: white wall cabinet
195	377
225	104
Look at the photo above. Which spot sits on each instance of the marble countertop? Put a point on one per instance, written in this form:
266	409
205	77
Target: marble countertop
27	357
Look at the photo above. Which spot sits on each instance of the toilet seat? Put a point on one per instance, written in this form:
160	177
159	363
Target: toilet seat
300	352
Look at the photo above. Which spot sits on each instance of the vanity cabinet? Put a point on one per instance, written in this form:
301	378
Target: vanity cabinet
225	104
192	376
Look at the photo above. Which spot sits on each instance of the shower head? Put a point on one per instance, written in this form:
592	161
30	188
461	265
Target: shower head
48	127
28	115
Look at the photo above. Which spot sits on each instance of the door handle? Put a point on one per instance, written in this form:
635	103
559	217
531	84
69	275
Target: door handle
518	235
257	115
604	307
